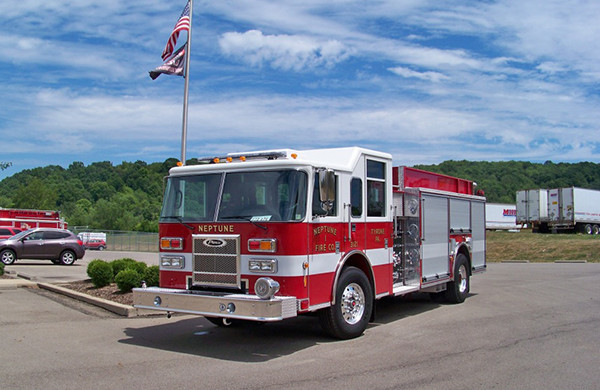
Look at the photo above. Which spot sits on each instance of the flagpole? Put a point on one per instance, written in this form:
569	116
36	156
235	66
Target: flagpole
186	88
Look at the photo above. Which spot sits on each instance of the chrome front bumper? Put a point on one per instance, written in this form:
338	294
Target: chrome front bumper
240	306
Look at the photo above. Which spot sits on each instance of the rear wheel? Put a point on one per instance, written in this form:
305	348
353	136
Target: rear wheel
8	257
587	229
67	258
349	316
595	229
459	288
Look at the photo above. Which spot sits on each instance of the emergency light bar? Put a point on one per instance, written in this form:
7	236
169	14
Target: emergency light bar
272	155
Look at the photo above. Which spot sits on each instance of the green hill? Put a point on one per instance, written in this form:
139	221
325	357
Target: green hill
501	180
128	196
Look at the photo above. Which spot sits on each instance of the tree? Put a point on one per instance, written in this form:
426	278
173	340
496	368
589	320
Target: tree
4	165
36	195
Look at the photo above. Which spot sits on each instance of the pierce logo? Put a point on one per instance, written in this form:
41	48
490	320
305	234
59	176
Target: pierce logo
214	243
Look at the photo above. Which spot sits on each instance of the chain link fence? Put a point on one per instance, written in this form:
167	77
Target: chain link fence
120	240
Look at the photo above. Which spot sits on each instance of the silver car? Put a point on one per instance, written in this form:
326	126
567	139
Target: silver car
59	245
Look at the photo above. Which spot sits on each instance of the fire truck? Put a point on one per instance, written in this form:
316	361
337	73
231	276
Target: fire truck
269	235
28	219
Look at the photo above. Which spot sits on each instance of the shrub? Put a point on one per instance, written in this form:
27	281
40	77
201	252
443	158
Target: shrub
121	265
100	272
139	266
1	268
151	276
128	279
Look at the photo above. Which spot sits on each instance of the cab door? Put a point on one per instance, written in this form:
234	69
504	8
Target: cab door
378	227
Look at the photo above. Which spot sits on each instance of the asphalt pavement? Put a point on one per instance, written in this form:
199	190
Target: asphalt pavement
524	326
44	271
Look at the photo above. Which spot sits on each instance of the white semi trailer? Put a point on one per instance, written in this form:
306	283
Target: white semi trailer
570	208
501	216
574	208
532	208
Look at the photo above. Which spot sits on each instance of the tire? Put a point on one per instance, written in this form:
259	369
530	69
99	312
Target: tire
458	290
8	256
595	229
67	257
100	248
222	322
230	323
587	229
349	316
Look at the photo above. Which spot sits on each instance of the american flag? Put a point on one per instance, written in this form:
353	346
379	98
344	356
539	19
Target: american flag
183	24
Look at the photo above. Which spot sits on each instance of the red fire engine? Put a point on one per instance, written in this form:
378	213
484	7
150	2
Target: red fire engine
29	219
265	236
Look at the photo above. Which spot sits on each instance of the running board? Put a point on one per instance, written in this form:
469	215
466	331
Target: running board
403	290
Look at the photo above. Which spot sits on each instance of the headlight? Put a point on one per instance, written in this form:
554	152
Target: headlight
263	266
172	261
265	288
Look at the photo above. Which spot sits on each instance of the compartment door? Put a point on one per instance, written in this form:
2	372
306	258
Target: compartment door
435	231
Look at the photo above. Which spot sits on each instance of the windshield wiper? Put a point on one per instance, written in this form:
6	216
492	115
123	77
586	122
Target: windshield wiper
180	220
246	218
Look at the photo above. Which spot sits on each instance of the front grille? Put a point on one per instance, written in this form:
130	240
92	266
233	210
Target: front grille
216	261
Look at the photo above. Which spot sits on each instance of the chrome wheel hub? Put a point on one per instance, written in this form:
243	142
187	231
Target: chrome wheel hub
353	303
462	279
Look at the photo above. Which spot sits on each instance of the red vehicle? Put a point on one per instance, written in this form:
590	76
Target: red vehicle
265	236
8	231
95	244
24	219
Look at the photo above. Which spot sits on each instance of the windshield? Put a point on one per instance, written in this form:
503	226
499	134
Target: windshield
262	196
21	234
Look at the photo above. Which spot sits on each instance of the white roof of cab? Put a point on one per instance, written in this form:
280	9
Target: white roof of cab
341	159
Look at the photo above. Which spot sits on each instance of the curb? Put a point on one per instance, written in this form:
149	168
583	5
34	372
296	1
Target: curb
13	284
117	308
570	261
22	280
515	261
541	262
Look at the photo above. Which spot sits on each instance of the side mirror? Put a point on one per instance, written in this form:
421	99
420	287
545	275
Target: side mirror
327	188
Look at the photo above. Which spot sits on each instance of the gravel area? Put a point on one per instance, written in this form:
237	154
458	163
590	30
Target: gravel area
110	292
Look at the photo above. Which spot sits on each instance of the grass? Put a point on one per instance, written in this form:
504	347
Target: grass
536	247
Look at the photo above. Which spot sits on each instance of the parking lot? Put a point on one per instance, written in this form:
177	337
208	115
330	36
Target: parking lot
526	326
46	272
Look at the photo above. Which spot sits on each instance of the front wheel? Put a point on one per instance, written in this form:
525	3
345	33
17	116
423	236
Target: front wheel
67	258
349	316
221	321
8	257
459	288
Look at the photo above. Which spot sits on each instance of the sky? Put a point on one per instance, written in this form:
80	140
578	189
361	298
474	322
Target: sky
426	81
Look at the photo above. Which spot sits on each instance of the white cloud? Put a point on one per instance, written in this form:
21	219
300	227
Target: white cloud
84	58
427	80
284	52
408	73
